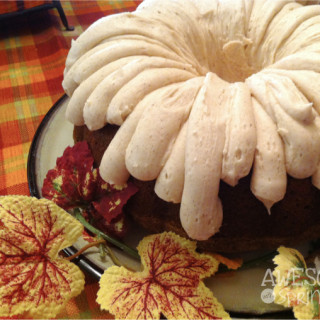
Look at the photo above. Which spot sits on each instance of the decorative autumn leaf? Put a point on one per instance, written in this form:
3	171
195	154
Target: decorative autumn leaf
74	183
231	264
78	157
296	287
108	213
170	283
34	280
110	206
87	237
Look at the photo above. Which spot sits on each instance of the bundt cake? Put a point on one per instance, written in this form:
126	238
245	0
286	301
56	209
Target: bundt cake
206	93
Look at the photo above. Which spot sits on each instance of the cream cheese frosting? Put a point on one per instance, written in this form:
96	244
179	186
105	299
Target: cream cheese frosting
156	132
201	211
240	140
269	177
203	91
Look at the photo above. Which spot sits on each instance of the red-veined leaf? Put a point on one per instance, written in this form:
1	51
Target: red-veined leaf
170	283
87	237
34	280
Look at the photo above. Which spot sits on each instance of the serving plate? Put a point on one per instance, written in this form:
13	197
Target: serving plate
246	291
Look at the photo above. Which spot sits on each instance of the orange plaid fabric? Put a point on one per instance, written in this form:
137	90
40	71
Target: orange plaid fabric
33	49
33	3
8	6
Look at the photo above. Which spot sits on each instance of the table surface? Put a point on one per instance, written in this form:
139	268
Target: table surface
33	49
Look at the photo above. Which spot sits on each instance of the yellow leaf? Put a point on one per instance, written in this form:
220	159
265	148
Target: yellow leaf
34	280
170	283
295	287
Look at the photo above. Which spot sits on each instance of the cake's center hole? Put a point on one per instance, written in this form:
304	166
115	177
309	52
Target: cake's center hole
232	63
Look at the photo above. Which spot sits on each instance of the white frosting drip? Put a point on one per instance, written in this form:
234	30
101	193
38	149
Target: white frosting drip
201	211
182	79
84	90
269	178
170	182
134	79
152	141
295	120
240	141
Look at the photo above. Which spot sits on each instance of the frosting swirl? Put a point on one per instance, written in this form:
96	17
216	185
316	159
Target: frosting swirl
203	91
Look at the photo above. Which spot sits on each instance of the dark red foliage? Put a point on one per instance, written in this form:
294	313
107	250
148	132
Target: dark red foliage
74	183
110	205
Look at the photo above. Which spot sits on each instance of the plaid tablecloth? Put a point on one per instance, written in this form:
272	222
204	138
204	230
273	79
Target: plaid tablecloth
33	50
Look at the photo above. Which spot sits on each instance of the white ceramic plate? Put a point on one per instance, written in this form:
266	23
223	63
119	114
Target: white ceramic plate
240	292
